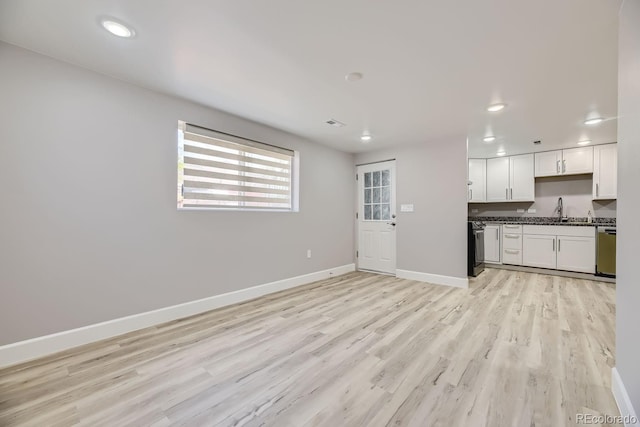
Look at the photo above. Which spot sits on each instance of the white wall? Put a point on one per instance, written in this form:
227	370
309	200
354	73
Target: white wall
576	193
628	285
432	177
89	229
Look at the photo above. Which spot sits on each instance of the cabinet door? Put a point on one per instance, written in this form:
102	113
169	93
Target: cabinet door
577	160
576	254
492	244
478	178
497	179
522	182
539	251
605	172
548	163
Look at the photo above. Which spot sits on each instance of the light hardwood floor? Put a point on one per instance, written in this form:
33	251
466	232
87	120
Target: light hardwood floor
516	349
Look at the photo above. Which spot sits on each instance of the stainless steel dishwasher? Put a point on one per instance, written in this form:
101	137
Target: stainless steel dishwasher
606	252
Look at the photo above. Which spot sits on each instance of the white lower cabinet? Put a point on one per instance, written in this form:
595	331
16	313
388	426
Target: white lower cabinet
492	244
577	254
512	244
539	251
559	247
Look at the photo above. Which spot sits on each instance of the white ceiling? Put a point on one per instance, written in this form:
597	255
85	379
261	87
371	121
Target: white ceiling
430	67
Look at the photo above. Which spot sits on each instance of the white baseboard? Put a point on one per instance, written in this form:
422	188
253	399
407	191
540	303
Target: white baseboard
34	348
436	279
623	400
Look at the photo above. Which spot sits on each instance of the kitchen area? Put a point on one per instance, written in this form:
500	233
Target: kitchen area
551	212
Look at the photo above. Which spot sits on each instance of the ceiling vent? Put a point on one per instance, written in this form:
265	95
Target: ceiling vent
334	122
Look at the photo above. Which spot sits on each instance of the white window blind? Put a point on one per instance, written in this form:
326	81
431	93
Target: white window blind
220	171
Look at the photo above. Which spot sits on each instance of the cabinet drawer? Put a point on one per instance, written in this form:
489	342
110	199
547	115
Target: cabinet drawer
512	241
512	228
512	256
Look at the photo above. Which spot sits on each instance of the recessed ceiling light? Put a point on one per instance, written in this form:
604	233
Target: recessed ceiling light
353	77
585	142
496	107
593	121
117	28
365	138
500	153
489	138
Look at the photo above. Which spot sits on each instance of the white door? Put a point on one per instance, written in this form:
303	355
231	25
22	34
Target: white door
577	254
548	163
377	217
539	251
521	178
478	179
605	172
497	179
577	160
492	244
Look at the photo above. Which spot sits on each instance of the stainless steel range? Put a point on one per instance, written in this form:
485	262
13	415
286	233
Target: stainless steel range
475	248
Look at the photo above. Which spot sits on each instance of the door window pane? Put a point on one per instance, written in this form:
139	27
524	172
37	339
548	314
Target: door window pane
367	212
386	195
386	178
376	179
367	195
376	212
386	212
376	195
367	179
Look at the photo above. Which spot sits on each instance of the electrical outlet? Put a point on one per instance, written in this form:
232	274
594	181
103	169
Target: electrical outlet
308	253
520	210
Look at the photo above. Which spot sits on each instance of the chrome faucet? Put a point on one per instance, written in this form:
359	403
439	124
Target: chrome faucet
559	208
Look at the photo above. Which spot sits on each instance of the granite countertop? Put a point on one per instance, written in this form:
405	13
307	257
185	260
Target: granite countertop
545	220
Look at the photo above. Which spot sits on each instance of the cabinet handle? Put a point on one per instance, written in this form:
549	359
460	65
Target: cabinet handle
558	245
511	226
512	236
512	251
564	166
471	191
506	193
597	190
497	235
554	245
558	166
511	197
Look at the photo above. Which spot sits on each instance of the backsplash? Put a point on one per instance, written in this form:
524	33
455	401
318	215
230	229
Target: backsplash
543	219
576	193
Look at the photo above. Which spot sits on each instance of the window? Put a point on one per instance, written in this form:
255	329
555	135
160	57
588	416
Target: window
220	171
377	195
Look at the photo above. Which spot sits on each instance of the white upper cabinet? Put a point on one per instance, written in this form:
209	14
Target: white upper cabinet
577	160
572	161
498	179
548	163
522	183
605	172
478	180
510	179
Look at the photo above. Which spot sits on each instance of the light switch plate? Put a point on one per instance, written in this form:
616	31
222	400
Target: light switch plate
406	208
532	210
520	210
